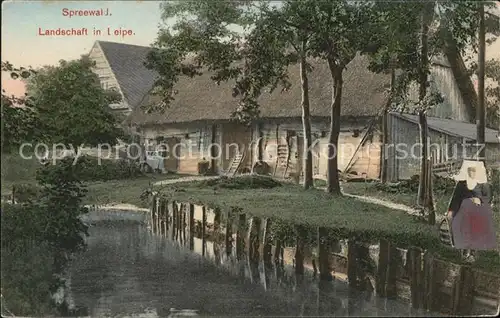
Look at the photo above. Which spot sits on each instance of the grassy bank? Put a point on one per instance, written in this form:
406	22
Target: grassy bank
16	171
489	260
442	198
291	203
123	191
347	216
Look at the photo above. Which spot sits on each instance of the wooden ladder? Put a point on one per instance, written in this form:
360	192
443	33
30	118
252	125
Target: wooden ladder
235	164
282	153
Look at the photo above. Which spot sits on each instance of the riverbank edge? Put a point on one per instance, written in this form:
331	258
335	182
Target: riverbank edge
434	245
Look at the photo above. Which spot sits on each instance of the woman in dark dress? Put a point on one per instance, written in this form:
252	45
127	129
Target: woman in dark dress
470	210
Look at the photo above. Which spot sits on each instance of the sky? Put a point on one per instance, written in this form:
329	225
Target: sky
22	21
23	46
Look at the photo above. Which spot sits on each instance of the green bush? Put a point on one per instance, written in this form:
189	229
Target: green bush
25	192
27	276
36	236
410	186
17	169
88	168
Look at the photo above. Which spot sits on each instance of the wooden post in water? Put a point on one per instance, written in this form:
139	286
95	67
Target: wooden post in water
180	210
415	261
383	262
217	219
392	271
155	215
299	250
184	222
160	218
179	223
152	212
323	255
174	219
467	292
229	234
352	266
203	229
277	251
191	227
253	239
462	291
256	235
249	237
429	284
167	215
240	244
266	242
165	218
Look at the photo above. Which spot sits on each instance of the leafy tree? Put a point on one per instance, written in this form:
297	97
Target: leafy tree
43	233
19	124
339	31
438	26
257	59
492	73
72	107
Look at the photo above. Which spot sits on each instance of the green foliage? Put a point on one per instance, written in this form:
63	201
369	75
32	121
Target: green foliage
242	182
492	94
72	107
410	186
25	192
27	273
89	168
41	233
19	125
17	169
398	33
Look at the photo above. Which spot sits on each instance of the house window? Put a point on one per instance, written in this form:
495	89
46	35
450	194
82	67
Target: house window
104	82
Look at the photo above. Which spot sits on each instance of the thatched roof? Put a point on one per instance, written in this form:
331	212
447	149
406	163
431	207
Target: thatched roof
201	99
127	63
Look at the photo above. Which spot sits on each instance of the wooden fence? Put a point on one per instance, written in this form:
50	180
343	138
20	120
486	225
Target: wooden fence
417	276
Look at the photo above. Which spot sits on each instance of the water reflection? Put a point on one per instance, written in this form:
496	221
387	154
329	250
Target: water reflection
129	271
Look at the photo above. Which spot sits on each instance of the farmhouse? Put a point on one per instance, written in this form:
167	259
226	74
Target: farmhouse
200	116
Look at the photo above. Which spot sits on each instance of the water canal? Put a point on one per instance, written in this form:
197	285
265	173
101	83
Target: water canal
133	270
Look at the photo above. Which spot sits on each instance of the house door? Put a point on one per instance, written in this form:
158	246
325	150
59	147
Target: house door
172	154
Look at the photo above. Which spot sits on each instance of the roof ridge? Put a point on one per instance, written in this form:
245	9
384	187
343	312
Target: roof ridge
127	44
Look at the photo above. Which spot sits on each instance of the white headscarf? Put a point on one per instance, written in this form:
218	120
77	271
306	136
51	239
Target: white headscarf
481	176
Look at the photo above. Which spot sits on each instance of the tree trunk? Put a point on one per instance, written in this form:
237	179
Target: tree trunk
306	122
480	111
385	131
422	187
424	196
333	184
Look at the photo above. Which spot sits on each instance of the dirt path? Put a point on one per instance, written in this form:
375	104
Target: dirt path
391	205
186	179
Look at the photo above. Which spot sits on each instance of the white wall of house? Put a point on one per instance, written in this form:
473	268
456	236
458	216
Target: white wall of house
107	77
